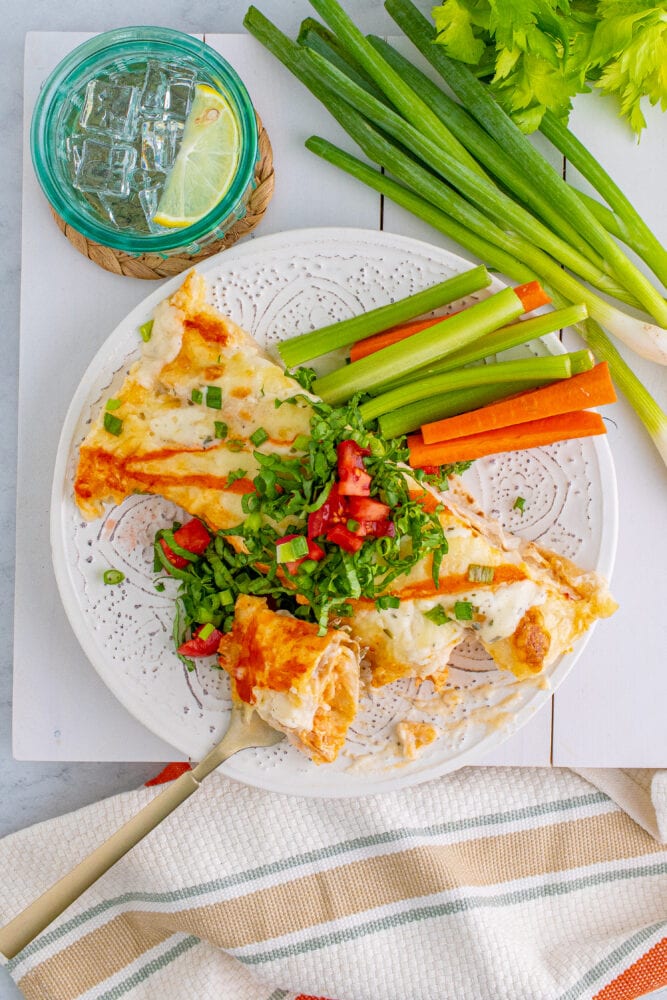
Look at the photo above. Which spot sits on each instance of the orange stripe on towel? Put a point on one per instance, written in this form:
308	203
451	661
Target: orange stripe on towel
645	975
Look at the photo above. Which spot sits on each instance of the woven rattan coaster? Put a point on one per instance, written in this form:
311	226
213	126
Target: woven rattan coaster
153	265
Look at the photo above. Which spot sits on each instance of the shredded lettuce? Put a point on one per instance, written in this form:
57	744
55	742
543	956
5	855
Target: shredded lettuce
539	54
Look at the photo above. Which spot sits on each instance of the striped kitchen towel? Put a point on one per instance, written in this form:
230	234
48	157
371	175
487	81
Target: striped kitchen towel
489	884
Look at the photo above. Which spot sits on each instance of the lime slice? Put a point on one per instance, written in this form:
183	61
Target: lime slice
205	164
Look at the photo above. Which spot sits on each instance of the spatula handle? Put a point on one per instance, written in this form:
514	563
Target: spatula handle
26	925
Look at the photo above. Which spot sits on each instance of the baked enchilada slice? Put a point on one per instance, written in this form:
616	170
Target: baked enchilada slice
185	414
300	682
525	604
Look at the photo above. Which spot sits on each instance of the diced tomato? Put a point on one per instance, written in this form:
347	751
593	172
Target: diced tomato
354	480
331	512
178	561
366	509
192	536
380	529
348	540
201	647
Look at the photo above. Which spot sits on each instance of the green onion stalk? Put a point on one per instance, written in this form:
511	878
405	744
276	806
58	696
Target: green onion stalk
481	105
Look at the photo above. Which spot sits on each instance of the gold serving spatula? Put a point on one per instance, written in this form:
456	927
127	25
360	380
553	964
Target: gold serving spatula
246	730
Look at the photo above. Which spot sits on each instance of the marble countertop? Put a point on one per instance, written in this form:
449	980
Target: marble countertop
32	792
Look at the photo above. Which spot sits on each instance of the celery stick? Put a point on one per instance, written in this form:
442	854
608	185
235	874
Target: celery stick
306	346
435	342
501	340
490	116
524	369
448	404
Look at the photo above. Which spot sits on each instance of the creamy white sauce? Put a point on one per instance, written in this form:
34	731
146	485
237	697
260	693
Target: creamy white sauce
188	426
164	343
284	709
503	607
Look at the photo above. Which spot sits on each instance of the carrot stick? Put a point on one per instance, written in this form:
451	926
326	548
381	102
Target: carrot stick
532	295
391	336
591	388
562	427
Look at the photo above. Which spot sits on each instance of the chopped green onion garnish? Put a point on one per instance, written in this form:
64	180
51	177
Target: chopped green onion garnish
235	445
301	442
253	522
112	424
259	437
295	548
480	574
113	576
146	330
463	611
352	525
113	404
519	504
159	587
205	631
387	601
197	396
214	397
226	597
437	615
221	429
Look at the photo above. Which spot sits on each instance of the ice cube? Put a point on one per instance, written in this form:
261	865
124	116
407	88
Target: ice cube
159	144
110	109
153	90
145	180
105	167
180	91
148	199
125	213
73	153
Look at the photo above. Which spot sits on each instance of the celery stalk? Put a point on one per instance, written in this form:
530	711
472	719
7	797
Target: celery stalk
435	342
502	340
523	370
306	346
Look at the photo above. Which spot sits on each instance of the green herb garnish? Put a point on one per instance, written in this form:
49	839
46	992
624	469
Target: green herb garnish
113	424
113	576
463	611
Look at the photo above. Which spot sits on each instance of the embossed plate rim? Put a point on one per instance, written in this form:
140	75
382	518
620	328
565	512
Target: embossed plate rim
113	354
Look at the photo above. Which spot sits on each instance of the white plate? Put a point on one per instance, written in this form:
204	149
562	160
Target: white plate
276	286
